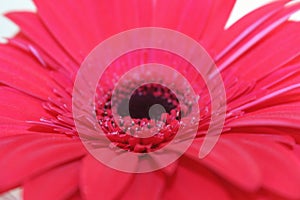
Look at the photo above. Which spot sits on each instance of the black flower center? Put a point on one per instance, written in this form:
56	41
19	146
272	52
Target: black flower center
150	101
145	122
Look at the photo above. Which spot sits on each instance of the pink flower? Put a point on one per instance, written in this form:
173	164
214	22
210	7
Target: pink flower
257	155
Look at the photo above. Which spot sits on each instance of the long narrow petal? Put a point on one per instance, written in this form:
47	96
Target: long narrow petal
46	186
24	156
101	182
195	182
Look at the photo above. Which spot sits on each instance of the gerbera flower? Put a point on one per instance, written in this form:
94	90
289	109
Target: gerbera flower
257	155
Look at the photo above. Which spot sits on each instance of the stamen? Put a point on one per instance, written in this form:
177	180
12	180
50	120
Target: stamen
142	131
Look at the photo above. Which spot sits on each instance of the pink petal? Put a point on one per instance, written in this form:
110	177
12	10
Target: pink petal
145	186
10	126
231	161
265	62
195	182
58	183
286	115
67	27
21	71
183	15
287	75
247	24
26	155
105	18
259	35
18	106
215	25
101	182
41	37
279	166
70	29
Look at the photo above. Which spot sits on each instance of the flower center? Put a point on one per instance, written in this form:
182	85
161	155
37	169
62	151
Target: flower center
142	107
150	102
152	122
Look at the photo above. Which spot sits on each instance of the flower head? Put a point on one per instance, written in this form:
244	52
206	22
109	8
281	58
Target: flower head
257	155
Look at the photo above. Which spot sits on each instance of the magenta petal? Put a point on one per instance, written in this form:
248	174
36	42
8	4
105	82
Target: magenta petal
40	152
11	102
182	16
19	70
58	183
41	37
273	158
276	116
247	24
257	156
259	36
145	186
101	182
215	25
232	162
10	126
66	27
271	59
77	36
192	181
